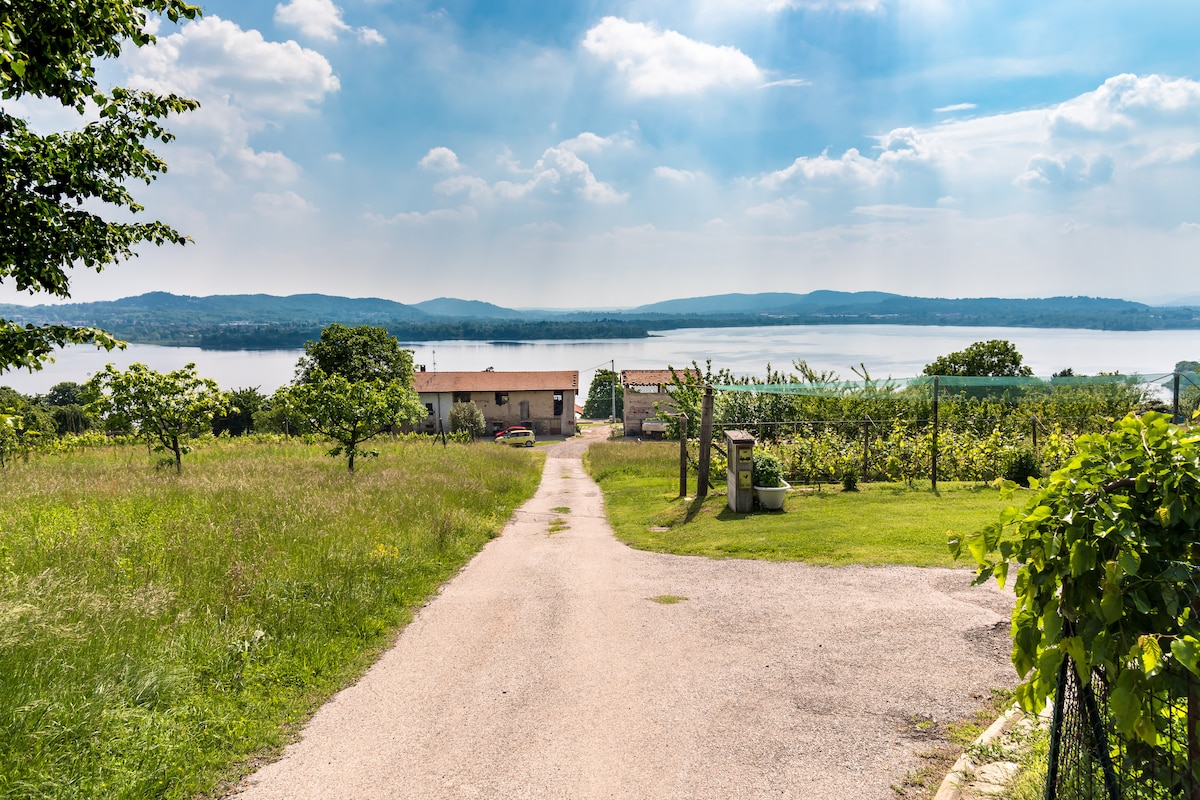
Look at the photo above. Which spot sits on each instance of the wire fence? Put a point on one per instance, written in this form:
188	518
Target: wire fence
1091	760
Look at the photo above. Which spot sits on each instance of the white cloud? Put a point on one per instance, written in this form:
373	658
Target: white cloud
676	175
1070	172
336	158
1124	99
786	82
587	142
852	167
955	107
244	84
559	166
212	57
659	63
460	214
322	20
440	159
282	206
775	6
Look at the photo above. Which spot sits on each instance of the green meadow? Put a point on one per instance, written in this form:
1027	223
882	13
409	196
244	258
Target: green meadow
880	524
159	632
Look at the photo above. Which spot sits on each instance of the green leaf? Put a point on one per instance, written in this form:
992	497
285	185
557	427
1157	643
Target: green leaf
1130	561
1186	650
1083	558
1150	652
1125	702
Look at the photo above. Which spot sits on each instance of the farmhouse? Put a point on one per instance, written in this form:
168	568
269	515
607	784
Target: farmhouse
544	402
644	389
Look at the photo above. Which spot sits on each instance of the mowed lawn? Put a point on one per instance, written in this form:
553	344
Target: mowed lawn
880	524
158	632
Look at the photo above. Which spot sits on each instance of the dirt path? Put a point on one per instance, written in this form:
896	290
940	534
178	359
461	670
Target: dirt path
545	670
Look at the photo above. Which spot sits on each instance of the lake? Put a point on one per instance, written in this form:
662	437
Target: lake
886	350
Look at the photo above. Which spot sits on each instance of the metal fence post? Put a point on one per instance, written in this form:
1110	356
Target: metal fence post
934	454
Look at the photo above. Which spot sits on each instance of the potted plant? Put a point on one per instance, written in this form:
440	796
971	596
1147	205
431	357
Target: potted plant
767	477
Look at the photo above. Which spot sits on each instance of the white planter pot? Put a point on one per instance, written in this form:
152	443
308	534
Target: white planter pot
771	497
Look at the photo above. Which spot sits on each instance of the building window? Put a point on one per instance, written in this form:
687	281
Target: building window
524	409
558	404
429	409
501	398
462	397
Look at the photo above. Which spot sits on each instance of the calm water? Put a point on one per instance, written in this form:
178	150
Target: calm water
895	350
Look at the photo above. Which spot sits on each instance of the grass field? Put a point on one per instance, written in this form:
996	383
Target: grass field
157	632
881	524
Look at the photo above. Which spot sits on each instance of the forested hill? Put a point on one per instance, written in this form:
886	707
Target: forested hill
232	322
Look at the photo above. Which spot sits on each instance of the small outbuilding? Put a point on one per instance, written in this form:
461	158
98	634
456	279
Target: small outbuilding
645	390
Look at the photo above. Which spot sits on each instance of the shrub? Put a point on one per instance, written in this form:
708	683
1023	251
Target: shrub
1020	465
767	470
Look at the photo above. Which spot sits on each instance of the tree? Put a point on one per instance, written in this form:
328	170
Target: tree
166	409
600	396
467	417
993	358
55	185
1106	556
239	420
363	353
352	412
67	393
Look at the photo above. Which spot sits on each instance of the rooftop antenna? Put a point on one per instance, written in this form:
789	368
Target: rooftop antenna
435	360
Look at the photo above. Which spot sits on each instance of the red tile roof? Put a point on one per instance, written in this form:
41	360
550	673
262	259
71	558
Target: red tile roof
650	377
496	381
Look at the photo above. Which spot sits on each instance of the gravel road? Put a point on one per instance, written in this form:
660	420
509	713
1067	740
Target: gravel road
546	670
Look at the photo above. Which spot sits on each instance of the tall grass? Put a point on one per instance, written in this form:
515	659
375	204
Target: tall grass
157	631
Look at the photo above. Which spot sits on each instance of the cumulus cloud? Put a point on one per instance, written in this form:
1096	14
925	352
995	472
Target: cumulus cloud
1125	99
852	166
212	57
440	159
659	63
244	84
1070	172
559	167
321	20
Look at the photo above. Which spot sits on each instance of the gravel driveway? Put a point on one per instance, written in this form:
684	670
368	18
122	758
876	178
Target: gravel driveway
545	670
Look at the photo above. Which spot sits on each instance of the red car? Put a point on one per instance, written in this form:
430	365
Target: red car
509	429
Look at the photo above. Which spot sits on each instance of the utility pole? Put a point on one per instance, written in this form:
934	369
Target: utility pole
613	363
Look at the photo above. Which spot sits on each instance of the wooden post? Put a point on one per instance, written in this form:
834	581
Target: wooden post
934	454
1175	400
683	470
706	423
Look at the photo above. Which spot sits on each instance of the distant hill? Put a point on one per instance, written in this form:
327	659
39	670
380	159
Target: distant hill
316	309
259	321
466	309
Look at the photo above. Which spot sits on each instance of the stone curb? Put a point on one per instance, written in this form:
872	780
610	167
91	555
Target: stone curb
958	777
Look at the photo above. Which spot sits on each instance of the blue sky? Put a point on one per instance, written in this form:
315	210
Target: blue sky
606	154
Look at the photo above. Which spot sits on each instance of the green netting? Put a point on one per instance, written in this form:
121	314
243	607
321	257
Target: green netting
950	382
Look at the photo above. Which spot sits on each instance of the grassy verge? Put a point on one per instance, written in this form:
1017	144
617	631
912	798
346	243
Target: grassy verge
881	524
158	632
